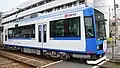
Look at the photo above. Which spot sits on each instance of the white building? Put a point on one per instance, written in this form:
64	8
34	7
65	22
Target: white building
33	8
1	29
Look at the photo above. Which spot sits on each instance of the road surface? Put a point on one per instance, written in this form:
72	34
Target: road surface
70	64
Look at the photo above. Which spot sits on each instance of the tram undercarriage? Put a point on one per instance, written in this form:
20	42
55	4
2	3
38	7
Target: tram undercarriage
87	58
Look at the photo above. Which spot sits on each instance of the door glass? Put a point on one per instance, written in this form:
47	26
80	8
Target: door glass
39	32
5	35
44	35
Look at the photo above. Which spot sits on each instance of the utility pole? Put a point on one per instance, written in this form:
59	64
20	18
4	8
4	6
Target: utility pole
110	33
116	26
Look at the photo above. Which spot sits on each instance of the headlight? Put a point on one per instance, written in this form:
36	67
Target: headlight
97	47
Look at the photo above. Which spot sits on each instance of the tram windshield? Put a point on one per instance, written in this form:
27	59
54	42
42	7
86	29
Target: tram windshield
100	25
100	29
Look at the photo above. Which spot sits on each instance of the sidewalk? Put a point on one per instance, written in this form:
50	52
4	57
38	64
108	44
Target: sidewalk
116	51
115	63
110	44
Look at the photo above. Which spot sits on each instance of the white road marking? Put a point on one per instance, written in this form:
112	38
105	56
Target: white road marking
51	64
107	59
101	63
97	61
95	67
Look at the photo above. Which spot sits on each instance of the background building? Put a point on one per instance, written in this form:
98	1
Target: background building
1	29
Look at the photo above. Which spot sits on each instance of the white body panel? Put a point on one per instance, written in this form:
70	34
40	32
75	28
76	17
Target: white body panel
73	45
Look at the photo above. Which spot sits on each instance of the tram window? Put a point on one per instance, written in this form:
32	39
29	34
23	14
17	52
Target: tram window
22	32
65	27
89	27
100	29
10	33
17	32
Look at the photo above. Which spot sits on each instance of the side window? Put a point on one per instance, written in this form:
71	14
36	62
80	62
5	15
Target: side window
74	27
22	32
65	27
89	27
17	32
28	31
10	33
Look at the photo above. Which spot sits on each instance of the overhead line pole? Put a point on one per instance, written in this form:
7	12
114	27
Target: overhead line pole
115	37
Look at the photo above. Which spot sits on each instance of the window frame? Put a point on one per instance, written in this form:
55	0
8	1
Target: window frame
97	21
92	26
21	34
68	19
102	24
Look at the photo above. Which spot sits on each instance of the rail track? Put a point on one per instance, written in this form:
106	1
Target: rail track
24	60
6	62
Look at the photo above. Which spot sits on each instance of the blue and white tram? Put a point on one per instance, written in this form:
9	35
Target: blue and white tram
64	33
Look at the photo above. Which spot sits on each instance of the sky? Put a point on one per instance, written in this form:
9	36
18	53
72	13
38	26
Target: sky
6	5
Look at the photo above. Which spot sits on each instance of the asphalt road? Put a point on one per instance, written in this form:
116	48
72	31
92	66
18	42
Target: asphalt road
69	64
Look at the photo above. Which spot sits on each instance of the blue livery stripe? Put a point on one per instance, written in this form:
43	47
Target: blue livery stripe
66	38
100	52
19	38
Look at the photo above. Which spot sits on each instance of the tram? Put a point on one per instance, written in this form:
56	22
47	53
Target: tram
66	33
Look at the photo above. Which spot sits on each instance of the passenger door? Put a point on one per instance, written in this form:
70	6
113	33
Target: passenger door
42	35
